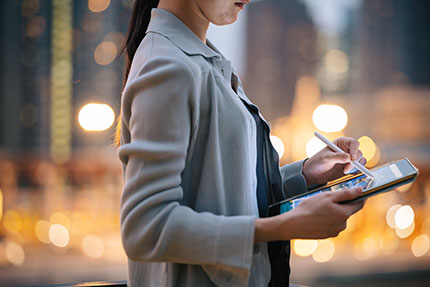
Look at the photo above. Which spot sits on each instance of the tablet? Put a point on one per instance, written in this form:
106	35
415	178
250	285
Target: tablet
387	177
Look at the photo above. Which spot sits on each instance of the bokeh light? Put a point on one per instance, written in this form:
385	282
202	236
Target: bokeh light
1	204
304	247
105	53
404	188
59	235
404	217
420	245
391	212
313	146
278	145
405	232
389	242
35	26
41	230
15	253
367	147
98	6
60	218
12	221
336	61
96	117
324	251
370	247
330	118
93	246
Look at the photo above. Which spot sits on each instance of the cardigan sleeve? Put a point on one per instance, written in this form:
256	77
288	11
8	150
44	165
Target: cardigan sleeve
159	113
293	181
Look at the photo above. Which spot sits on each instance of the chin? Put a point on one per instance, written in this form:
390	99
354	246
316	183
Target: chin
226	20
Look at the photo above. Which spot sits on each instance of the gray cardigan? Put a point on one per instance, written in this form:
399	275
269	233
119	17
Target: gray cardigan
189	205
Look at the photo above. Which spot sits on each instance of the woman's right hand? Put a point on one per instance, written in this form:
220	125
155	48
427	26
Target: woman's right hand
320	216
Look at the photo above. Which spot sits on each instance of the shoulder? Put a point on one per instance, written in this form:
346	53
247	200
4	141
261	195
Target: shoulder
158	53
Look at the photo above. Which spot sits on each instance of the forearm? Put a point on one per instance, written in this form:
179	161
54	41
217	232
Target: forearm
274	228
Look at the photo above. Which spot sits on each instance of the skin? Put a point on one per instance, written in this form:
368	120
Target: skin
320	216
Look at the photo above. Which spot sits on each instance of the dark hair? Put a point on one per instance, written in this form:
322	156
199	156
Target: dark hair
140	16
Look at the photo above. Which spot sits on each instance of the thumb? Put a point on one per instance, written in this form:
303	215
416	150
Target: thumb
346	194
338	157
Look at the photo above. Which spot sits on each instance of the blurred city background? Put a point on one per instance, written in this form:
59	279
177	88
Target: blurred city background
344	67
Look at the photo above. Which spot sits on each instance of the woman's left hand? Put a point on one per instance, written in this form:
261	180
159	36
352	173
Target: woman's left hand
327	165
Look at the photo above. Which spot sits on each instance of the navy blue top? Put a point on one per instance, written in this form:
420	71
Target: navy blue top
262	185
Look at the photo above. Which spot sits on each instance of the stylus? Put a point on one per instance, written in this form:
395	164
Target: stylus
335	148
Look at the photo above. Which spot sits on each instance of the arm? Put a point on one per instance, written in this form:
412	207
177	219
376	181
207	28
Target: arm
160	112
320	216
293	180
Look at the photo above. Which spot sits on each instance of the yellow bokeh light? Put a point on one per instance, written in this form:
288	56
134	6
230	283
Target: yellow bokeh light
12	221
1	204
370	247
60	218
93	246
105	53
278	145
375	159
42	231
404	217
368	147
59	235
304	247
330	118
390	215
15	253
420	245
98	5
404	188
405	232
389	243
336	61
425	226
96	117
313	146
324	251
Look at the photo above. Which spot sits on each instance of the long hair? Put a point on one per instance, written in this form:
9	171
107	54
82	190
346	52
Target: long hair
140	16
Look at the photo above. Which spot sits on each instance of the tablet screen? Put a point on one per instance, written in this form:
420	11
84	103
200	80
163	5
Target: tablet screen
383	175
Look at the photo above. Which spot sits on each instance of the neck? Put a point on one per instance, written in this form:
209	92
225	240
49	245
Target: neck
190	14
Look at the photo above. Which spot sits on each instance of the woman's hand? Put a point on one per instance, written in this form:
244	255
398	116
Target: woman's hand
328	165
320	216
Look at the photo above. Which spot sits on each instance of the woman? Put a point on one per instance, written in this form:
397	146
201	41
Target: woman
196	157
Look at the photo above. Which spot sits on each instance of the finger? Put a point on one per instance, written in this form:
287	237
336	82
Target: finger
346	194
359	155
349	168
363	161
338	157
353	149
354	207
349	145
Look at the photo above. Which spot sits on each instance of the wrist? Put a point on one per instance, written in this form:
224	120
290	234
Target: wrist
305	171
280	227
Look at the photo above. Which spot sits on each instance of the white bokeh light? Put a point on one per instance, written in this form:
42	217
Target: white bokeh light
404	217
278	145
330	118
96	117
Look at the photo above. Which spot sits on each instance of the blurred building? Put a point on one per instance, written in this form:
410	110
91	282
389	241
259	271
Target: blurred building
57	56
281	47
394	38
24	82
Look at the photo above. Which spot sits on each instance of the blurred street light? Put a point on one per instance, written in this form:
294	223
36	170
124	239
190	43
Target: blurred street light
304	247
330	118
96	117
278	145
